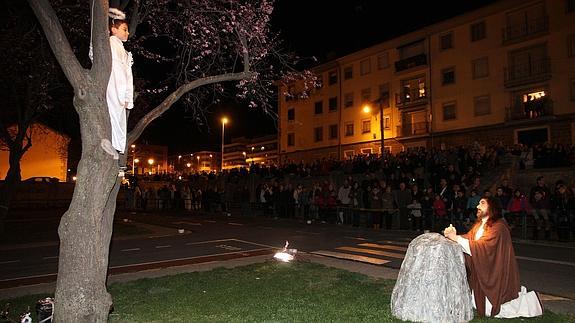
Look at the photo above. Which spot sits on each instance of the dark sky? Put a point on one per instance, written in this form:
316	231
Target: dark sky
326	29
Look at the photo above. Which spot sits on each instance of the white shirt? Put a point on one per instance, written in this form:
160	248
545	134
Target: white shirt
119	92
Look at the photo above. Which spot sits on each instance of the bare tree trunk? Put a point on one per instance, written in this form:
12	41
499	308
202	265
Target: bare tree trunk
86	228
10	186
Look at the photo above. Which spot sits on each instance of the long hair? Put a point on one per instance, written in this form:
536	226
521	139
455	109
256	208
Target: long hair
493	211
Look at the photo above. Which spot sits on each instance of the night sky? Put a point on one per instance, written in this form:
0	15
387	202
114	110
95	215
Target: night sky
320	28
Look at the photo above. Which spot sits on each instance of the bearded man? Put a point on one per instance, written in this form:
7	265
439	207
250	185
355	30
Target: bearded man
491	266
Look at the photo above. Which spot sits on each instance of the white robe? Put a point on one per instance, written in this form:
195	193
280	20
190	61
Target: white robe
525	305
120	91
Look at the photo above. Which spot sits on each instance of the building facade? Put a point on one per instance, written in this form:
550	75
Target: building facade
242	152
502	73
47	157
148	159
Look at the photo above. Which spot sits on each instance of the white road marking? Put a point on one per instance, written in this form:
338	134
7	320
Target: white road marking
334	254
233	223
188	258
131	249
9	262
372	252
165	235
395	242
210	221
379	246
557	262
209	241
356	238
164	246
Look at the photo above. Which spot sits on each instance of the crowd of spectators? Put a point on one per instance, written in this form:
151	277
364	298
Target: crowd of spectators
417	189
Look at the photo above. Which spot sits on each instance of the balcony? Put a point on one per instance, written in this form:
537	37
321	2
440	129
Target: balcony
531	72
410	62
532	110
413	129
525	30
411	97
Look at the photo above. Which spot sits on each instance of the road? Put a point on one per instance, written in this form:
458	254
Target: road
546	268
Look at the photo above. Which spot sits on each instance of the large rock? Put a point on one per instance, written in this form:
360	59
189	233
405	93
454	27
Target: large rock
432	283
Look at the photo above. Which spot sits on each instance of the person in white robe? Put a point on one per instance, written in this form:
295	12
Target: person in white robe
120	91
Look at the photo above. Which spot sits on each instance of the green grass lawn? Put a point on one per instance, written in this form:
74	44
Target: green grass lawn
268	292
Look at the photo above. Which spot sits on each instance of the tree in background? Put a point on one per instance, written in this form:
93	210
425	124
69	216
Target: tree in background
30	79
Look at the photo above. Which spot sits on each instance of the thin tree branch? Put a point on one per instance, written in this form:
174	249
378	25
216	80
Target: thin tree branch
176	95
59	43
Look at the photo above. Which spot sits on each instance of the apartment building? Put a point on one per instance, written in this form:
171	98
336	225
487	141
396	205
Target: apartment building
242	152
502	73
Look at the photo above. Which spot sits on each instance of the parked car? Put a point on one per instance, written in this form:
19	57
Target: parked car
41	179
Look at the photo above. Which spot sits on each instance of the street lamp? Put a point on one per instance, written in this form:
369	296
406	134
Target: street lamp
198	157
367	109
133	158
224	121
151	162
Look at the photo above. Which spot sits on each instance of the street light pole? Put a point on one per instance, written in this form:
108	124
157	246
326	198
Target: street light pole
224	121
133	159
381	128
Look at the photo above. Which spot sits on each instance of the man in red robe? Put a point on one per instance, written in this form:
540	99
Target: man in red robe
491	265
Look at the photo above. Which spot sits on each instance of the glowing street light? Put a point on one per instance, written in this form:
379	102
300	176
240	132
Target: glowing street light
224	121
367	109
151	162
133	159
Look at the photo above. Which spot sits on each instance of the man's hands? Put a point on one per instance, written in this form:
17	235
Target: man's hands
450	233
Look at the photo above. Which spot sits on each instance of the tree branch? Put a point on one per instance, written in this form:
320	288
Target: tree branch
175	96
102	66
58	42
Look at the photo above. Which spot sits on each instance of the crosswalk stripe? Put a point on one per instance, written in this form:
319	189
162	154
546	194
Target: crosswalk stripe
395	242
372	252
379	246
341	255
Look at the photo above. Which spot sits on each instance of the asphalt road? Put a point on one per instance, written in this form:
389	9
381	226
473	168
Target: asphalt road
546	268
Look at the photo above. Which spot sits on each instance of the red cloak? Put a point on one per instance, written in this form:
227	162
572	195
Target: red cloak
492	268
